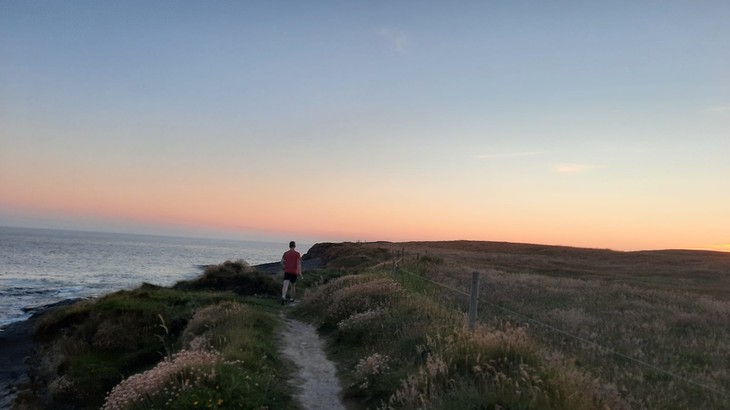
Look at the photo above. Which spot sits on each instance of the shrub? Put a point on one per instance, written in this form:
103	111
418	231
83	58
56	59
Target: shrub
359	298
237	277
209	321
230	362
348	255
361	322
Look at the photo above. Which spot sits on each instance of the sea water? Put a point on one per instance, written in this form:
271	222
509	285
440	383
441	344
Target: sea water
40	267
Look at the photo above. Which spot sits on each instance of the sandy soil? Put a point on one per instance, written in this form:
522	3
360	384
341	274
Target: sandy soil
318	386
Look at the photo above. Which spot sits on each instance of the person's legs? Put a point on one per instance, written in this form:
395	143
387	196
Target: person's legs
284	289
293	291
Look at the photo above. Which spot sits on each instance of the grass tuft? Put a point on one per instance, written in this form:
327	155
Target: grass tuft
236	276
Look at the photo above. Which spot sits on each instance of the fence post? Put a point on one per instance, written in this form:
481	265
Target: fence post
474	298
395	268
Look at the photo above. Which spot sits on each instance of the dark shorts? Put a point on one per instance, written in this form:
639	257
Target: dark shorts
291	277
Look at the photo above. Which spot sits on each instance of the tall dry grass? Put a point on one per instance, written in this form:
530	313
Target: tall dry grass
657	308
687	336
400	349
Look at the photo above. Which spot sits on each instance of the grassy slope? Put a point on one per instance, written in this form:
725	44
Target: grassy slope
669	309
403	345
159	340
701	272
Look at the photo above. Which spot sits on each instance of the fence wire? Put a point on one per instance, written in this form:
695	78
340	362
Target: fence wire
578	338
434	282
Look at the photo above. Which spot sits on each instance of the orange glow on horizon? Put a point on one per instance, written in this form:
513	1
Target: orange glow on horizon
376	212
349	222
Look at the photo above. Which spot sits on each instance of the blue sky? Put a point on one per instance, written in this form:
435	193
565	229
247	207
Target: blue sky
581	123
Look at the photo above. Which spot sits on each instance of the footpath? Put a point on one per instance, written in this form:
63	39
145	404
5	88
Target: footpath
315	378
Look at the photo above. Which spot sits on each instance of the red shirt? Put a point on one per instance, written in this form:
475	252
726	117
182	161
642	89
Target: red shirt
291	260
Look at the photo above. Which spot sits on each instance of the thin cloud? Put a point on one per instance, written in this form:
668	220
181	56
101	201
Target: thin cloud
719	109
509	155
572	168
399	40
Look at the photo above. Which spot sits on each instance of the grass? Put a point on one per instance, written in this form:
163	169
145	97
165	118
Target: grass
237	277
229	360
684	334
207	343
667	309
348	256
403	343
399	348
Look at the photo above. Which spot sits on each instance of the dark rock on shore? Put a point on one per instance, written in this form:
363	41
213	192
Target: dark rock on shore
16	344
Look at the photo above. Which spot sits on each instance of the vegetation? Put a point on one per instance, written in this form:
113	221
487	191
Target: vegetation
349	256
559	328
403	349
236	277
651	328
196	345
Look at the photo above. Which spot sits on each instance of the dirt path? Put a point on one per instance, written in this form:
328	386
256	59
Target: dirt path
316	376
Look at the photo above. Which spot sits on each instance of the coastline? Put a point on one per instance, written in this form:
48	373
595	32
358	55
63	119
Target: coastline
41	266
16	344
16	341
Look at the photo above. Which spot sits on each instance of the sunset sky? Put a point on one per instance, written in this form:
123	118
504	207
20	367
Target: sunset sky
592	124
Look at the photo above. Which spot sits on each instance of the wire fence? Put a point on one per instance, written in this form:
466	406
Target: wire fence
474	295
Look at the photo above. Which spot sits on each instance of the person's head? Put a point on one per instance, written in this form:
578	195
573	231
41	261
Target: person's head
292	244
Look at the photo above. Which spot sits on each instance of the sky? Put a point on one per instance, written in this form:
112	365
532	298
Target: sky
579	123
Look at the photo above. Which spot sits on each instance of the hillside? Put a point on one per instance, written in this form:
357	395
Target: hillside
652	326
558	328
703	272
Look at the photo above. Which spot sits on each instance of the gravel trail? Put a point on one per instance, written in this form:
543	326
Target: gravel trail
315	377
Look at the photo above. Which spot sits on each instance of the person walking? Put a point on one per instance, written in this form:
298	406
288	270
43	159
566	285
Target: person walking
291	261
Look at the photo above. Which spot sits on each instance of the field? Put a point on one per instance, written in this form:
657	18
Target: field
652	328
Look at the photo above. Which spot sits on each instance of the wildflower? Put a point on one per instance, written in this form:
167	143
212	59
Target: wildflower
135	388
373	365
361	320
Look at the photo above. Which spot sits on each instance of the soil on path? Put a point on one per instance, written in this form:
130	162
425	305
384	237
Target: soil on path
315	377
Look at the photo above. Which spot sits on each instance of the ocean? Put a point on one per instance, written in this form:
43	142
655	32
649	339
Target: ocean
40	266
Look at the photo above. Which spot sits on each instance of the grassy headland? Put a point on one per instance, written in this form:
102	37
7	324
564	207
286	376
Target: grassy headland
206	343
211	342
640	329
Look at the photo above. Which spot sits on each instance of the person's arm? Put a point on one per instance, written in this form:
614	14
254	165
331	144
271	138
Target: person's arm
299	268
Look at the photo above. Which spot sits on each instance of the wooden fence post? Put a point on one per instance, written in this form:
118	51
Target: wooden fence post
395	268
473	300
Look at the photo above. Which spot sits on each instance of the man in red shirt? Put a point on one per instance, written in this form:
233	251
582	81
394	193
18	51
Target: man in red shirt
291	261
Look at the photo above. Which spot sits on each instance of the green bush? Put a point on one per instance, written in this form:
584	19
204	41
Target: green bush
237	277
